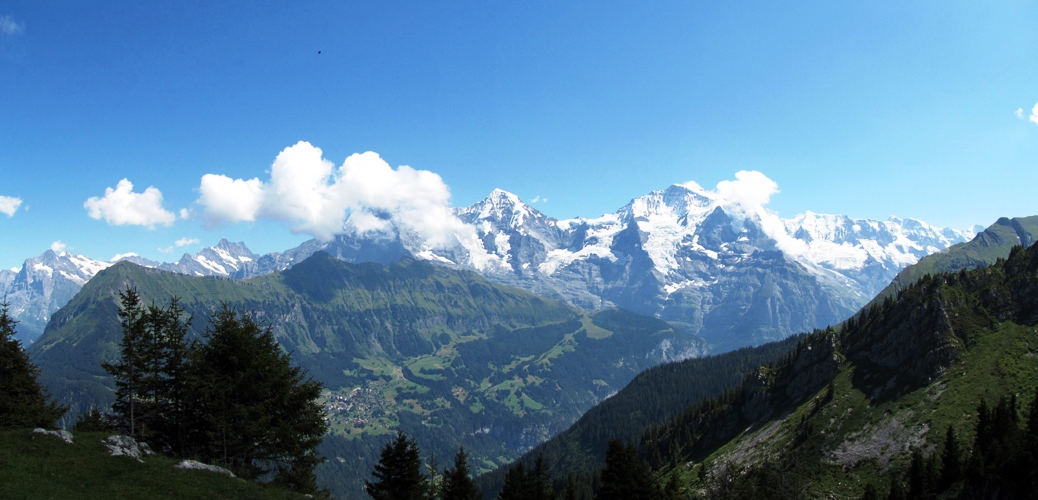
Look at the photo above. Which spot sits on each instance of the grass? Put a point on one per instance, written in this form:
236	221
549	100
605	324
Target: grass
40	466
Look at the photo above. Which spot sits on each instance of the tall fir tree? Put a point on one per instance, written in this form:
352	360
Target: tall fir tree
951	462
256	413
398	473
456	483
128	371
23	402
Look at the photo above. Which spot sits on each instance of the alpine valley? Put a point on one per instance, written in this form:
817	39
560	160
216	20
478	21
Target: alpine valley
500	342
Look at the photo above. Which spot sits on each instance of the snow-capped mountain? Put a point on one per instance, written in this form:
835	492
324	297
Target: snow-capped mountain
729	270
726	269
46	283
231	260
42	286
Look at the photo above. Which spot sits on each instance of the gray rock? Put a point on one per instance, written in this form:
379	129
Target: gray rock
65	436
126	446
191	464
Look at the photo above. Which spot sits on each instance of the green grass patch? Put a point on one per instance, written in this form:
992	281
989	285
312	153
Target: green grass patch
36	466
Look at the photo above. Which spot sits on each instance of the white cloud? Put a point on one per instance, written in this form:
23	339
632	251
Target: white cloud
1034	114
58	246
10	27
230	200
535	199
364	195
184	214
166	250
121	206
183	242
747	195
1020	113
9	205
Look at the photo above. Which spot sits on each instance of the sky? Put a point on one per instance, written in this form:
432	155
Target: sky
160	127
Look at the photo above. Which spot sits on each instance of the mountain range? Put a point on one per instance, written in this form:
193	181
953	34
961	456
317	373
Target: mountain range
732	275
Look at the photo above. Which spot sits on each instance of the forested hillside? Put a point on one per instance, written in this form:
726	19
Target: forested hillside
443	355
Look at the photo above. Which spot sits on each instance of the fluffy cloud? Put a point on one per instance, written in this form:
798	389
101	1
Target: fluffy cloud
9	205
121	206
1034	114
364	195
183	242
230	200
58	246
10	27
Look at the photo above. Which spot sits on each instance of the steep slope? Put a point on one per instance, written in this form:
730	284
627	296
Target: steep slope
653	397
444	355
845	409
984	249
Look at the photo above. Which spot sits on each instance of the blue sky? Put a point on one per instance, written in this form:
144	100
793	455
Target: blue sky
868	109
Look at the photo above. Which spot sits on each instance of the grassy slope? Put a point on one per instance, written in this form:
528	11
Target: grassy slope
35	466
876	415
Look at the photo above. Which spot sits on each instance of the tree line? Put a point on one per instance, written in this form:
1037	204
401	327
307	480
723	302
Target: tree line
626	476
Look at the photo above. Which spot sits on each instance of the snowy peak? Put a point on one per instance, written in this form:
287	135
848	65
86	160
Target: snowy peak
226	259
502	209
64	265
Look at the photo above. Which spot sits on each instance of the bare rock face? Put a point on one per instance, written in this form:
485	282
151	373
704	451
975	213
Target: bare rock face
65	436
195	465
126	446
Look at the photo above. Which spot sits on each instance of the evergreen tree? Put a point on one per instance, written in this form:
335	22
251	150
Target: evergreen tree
128	371
94	421
951	463
398	473
23	402
257	413
626	476
456	483
528	484
897	490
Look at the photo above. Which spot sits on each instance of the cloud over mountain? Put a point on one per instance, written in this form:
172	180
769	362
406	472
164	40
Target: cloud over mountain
122	206
364	195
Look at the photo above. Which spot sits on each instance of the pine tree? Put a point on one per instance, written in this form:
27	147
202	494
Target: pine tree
951	462
128	371
897	490
23	402
456	483
522	483
870	493
626	476
398	473
257	413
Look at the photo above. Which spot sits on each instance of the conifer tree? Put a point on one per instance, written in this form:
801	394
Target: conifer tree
626	476
23	402
257	413
128	371
456	483
398	473
951	463
897	489
522	483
